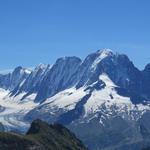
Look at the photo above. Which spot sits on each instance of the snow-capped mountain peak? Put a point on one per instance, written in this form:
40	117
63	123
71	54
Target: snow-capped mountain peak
102	54
41	66
28	71
105	52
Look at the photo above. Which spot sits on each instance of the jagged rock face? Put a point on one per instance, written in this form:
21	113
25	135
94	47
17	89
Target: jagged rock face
33	81
12	80
146	82
57	78
4	81
49	80
2	129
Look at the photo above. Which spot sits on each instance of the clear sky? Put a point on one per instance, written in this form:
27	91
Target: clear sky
40	31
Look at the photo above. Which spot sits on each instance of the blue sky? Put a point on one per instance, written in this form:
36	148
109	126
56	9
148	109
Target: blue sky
40	31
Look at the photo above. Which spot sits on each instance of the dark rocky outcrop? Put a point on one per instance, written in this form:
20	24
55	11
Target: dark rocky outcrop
41	136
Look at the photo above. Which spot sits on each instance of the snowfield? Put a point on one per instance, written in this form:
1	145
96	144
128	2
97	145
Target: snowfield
66	99
15	109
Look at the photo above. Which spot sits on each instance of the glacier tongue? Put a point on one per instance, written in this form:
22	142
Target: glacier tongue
15	109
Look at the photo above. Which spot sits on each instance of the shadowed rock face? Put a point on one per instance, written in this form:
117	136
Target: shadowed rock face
41	136
12	80
148	148
1	127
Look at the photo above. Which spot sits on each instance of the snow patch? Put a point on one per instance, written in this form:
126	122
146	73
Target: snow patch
66	99
109	83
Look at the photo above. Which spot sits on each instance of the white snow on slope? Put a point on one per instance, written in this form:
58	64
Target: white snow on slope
109	98
109	83
107	95
15	109
102	54
66	99
27	71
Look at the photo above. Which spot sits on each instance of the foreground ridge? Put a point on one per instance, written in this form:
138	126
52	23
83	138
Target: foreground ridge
41	136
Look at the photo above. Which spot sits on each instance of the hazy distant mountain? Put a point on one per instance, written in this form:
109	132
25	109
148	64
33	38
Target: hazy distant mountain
104	99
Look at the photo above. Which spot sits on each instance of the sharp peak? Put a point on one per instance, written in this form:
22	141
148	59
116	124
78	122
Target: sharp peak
21	70
42	65
102	52
110	52
105	51
67	58
18	68
147	67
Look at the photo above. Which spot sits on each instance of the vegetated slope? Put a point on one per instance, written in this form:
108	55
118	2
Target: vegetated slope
41	136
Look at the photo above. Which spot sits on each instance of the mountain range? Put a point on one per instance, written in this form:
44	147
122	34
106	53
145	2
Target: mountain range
104	99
